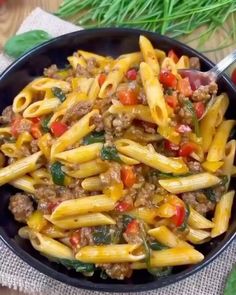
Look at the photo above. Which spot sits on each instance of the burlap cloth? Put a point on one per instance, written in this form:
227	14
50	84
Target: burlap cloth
15	273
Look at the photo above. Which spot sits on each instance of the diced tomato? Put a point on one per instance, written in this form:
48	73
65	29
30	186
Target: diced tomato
36	131
168	79
182	128
170	146
15	126
187	148
132	227
128	176
128	97
184	87
233	76
179	216
123	206
173	55
172	101
101	79
75	239
199	109
131	74
35	120
58	128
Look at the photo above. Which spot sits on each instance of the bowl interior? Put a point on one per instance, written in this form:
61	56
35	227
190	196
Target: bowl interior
111	42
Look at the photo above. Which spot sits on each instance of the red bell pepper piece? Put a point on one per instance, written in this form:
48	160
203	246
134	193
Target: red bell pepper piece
35	120
199	109
128	176
128	97
101	79
123	206
184	87
179	216
173	55
132	227
168	79
233	76
36	130
75	239
187	148
58	128
172	101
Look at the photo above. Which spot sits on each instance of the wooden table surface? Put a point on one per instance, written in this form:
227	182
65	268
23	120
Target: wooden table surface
12	14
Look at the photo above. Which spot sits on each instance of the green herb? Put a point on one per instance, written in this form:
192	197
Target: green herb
230	287
110	153
154	245
77	265
127	219
19	44
102	235
59	93
210	192
103	274
167	175
58	176
44	124
173	18
94	137
195	122
184	225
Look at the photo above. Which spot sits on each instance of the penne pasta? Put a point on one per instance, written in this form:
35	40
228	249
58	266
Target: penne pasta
24	183
155	96
183	63
43	84
198	221
41	107
23	99
83	205
197	236
152	159
194	182
92	184
109	254
228	160
222	214
148	215
87	55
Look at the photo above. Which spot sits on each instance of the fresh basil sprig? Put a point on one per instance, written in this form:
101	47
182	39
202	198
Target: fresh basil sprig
230	287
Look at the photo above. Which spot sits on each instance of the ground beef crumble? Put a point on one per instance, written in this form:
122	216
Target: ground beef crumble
76	111
204	93
112	175
7	115
118	271
198	201
21	206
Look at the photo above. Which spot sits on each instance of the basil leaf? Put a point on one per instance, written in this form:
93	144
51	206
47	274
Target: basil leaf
154	245
94	137
58	176
210	192
110	153
77	265
19	44
102	235
195	122
230	287
59	93
44	124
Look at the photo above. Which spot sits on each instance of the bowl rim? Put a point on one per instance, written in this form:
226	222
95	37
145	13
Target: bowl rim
118	287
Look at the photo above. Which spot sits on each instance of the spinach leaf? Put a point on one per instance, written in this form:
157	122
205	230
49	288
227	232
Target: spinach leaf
58	176
154	245
59	93
110	153
168	175
77	265
19	44
230	287
103	274
94	137
102	235
126	220
210	192
195	122
44	124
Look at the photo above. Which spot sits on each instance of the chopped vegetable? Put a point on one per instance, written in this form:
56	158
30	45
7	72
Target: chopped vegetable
127	219
94	137
21	43
184	224
210	193
128	176
230	286
110	153
132	227
59	93
179	216
44	123
75	239
35	120
168	79
173	55
172	101
123	206
191	109
155	245
36	130
184	87
128	96
102	235
58	128
77	265
199	109
131	74
186	149
101	79
58	176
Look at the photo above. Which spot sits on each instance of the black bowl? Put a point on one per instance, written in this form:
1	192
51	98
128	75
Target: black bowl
111	42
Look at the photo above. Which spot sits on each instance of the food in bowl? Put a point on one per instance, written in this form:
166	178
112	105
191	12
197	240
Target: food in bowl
116	171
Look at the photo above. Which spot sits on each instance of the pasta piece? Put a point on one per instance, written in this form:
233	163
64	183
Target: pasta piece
114	191
217	147
36	221
23	138
212	166
91	219
74	134
24	232
87	55
212	119
198	221
149	54
190	183
80	155
25	183
10	150
166	237
197	236
146	214
155	96
87	169
41	84
229	160
76	61
172	257
160	54
222	214
83	84
23	99
109	254
42	176
94	90
152	159
54	232
128	160
183	63
20	168
5	131
44	146
92	184
140	112
42	107
169	64
83	205
71	99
